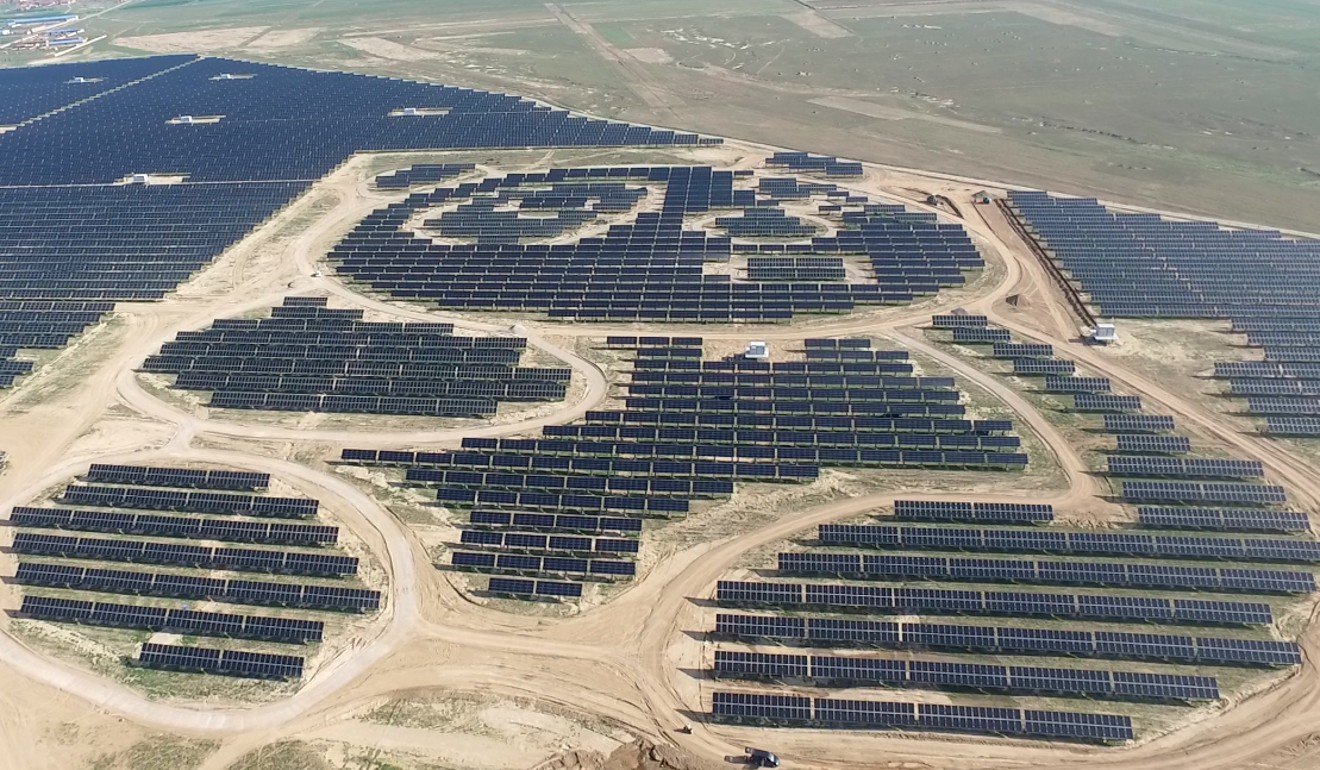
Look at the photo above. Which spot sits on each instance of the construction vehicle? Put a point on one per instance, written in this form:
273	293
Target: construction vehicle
760	758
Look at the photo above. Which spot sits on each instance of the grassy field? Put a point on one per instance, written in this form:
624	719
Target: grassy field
1204	106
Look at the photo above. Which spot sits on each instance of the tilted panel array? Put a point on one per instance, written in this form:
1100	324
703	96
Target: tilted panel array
1190	492
123	178
825	164
1138	423
1048	572
317	359
1001	513
939	601
27	93
853	671
1140	265
508	244
1183	467
833	632
195	528
192	501
138	475
568	506
205	660
1044	540
61	573
173	620
1125	590
1294	426
1145	450
802	711
1140	443
281	122
313	596
421	174
198	556
1228	519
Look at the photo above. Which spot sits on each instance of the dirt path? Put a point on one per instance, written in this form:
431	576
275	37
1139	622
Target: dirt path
635	76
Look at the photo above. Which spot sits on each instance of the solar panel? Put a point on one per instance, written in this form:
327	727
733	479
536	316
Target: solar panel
176	477
255	665
1138	423
973	511
794	710
1092	402
1137	443
1003	640
1184	467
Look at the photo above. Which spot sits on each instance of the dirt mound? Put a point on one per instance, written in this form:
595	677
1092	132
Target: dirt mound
644	755
577	759
638	755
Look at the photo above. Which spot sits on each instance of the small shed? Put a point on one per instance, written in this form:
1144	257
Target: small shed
1104	334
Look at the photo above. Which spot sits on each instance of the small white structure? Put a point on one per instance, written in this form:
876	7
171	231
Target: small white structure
141	179
194	120
1104	334
418	112
757	351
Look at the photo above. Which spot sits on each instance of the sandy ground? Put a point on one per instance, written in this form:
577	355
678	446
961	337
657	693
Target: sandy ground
282	38
591	680
388	49
192	42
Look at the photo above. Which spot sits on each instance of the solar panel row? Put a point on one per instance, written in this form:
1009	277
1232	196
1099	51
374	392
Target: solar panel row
277	533
1072	543
134	475
871	715
304	596
835	671
980	570
865	598
205	557
252	665
223	503
1006	640
173	620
